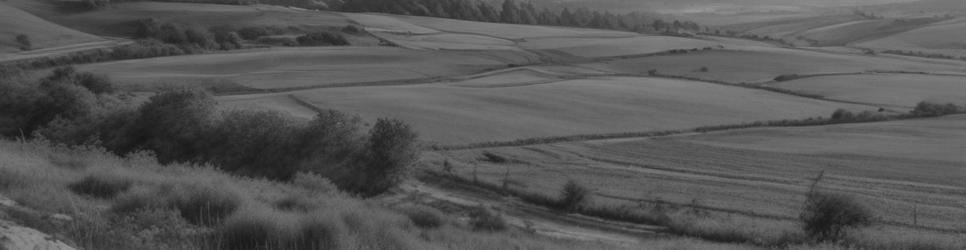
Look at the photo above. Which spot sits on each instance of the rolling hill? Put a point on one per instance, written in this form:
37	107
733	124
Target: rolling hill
42	34
885	89
456	113
944	38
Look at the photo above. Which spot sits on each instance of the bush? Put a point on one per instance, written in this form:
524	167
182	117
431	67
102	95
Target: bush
278	41
352	29
248	232
494	158
484	219
197	204
253	33
319	232
295	203
826	216
272	230
842	115
928	109
574	196
203	205
24	41
172	124
227	40
389	154
101	186
174	34
425	217
322	38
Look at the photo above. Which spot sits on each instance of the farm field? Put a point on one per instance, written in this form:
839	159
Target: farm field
943	38
282	68
42	34
476	122
896	167
508	31
764	64
886	89
449	113
116	21
611	47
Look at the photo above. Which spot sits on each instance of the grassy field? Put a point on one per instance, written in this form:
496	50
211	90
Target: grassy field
116	20
906	171
764	64
450	113
42	34
887	89
610	47
280	68
944	38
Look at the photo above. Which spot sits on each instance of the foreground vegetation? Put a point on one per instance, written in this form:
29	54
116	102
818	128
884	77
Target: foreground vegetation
183	126
106	201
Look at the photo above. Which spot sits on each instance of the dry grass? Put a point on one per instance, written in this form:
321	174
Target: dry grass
283	68
152	214
43	34
885	89
900	169
764	64
938	37
448	115
506	31
611	47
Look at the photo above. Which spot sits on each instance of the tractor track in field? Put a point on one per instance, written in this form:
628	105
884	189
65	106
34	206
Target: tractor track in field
529	217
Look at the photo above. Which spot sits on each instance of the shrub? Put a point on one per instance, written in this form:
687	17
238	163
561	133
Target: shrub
248	232
273	230
227	40
197	204
788	77
24	41
842	115
295	203
574	196
425	217
314	182
172	124
139	200
319	232
826	216
928	109
322	38
494	158
101	186
204	205
278	41
484	219
352	29
253	33
390	153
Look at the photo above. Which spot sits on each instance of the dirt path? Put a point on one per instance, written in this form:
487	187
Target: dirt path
534	218
46	52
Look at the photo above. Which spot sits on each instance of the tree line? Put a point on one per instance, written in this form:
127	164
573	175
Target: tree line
513	12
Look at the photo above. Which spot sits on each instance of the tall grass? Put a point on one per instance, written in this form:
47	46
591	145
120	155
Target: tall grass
179	206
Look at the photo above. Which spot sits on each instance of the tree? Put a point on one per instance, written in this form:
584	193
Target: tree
171	124
827	216
574	196
390	152
24	41
510	13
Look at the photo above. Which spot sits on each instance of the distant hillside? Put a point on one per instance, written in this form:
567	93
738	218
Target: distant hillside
40	33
